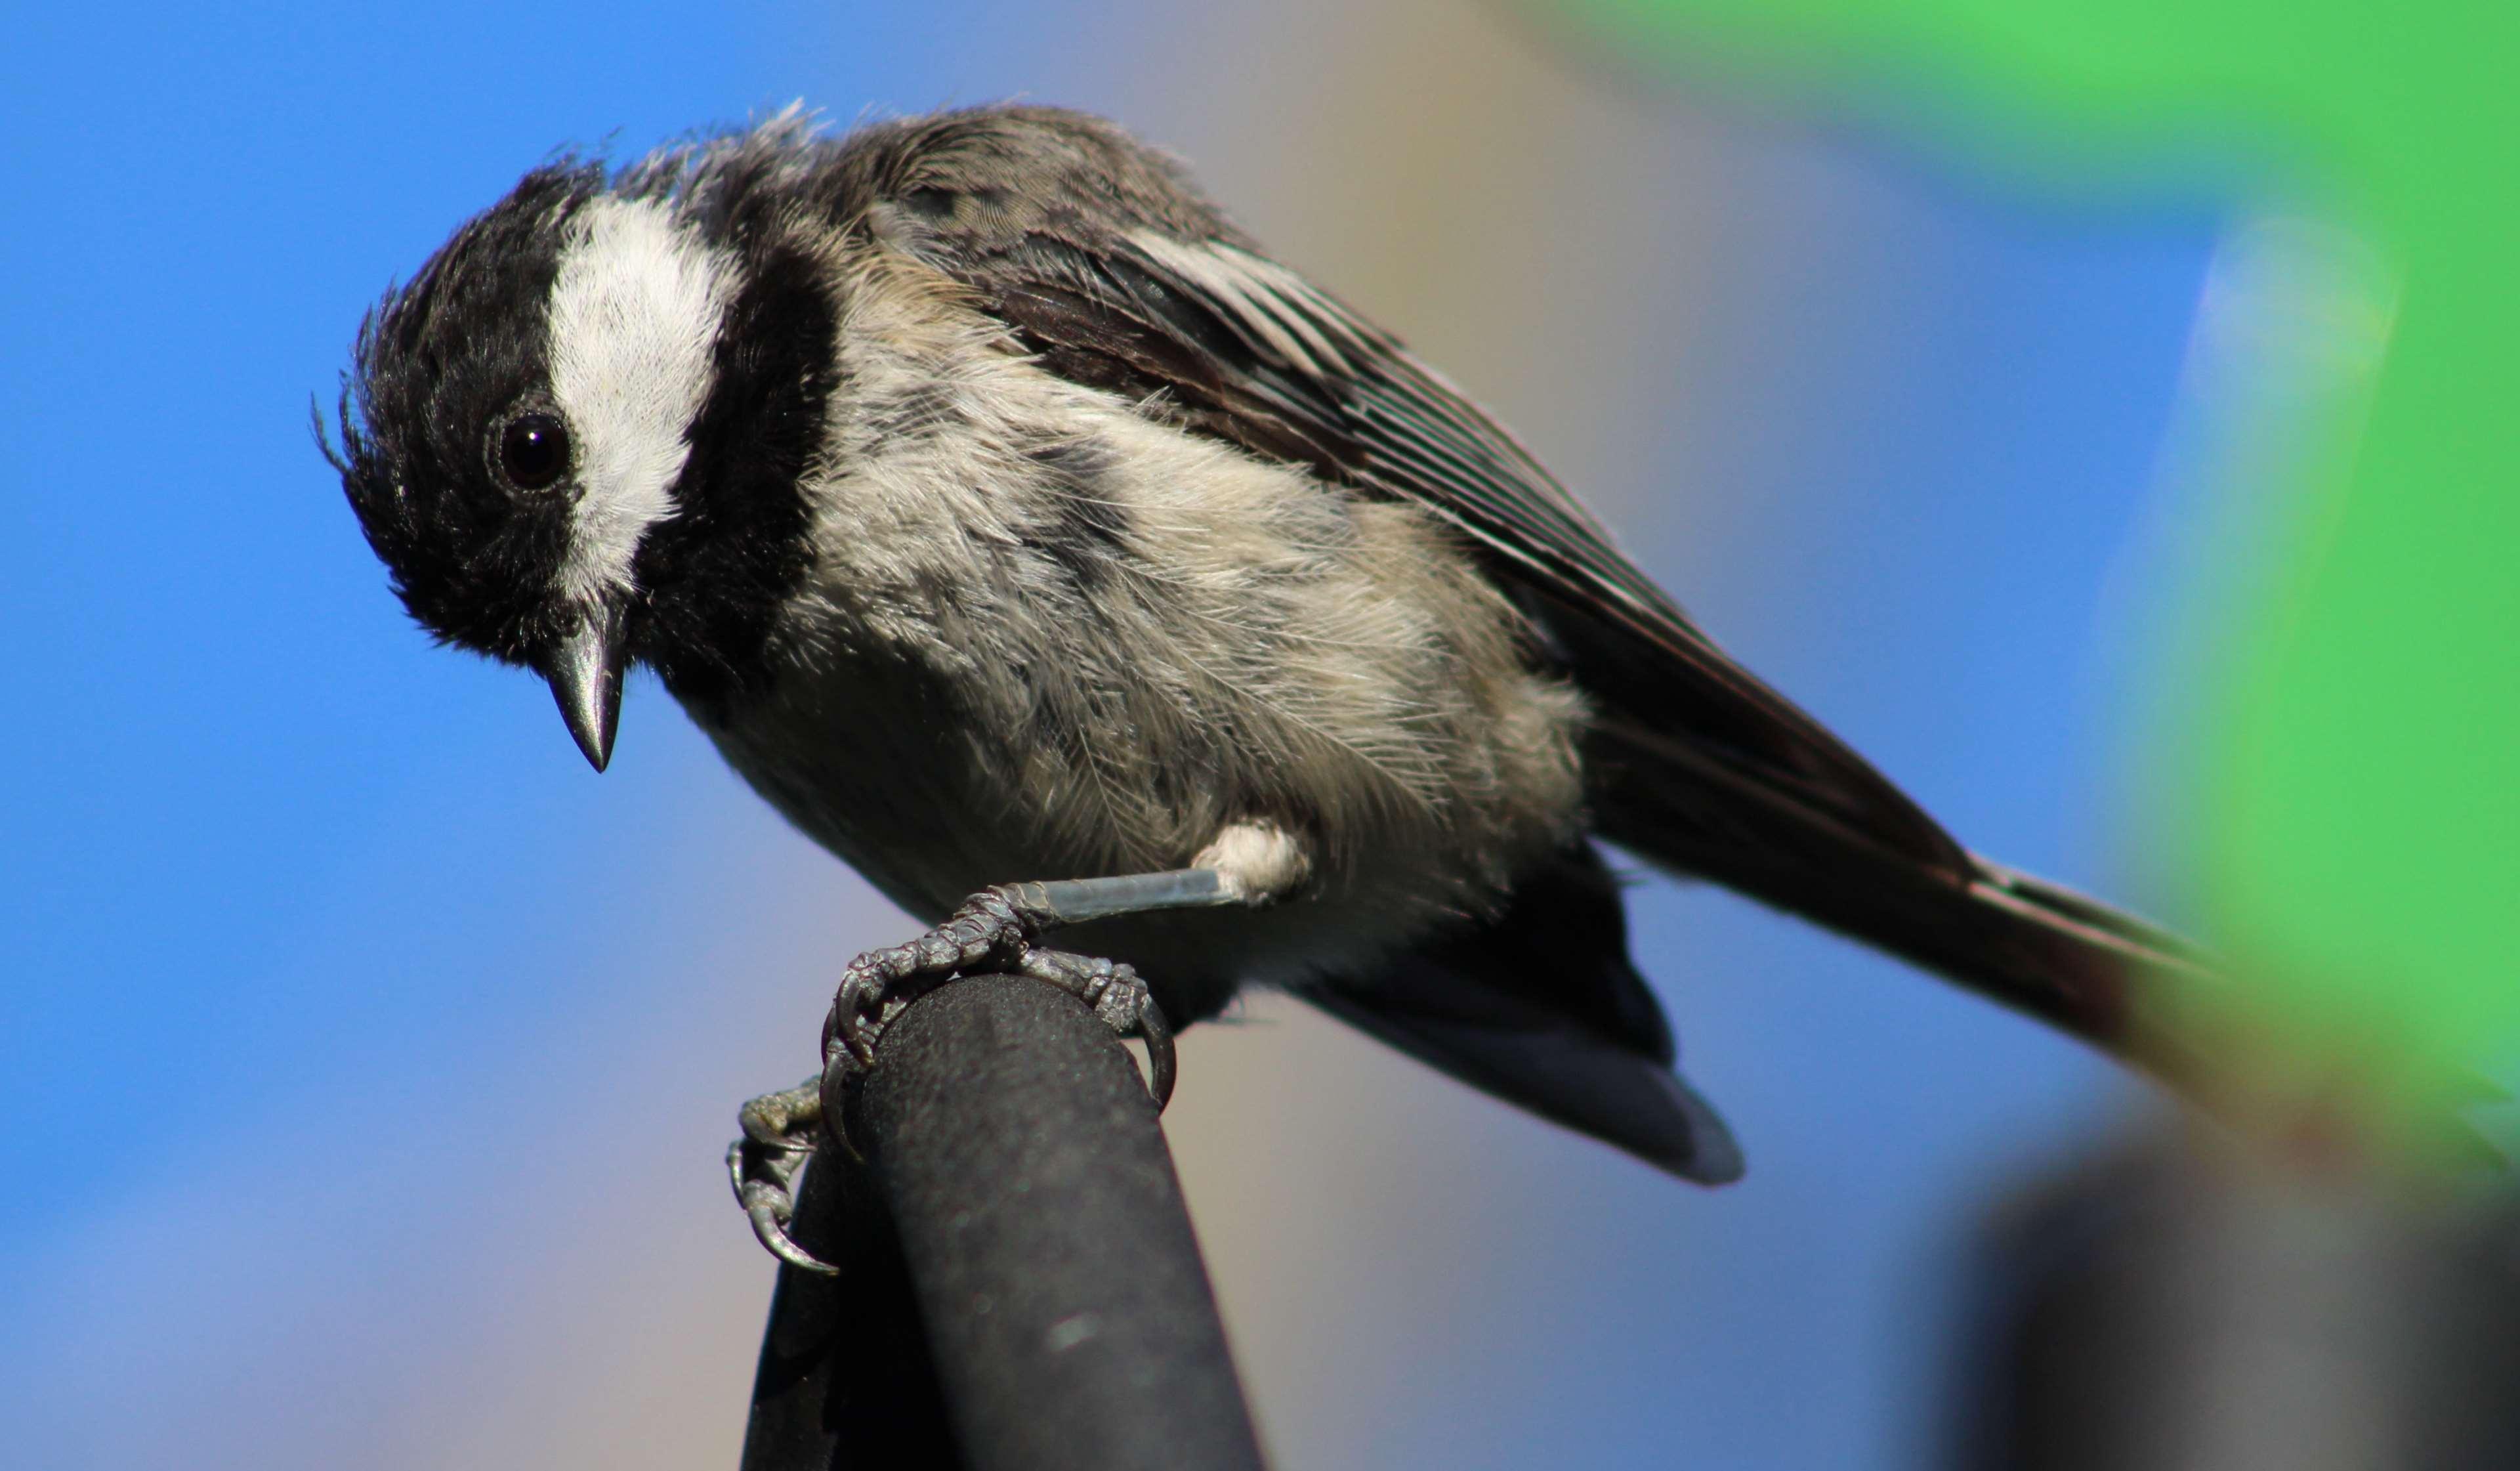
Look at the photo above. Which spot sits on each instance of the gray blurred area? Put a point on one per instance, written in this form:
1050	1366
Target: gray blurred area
2181	1302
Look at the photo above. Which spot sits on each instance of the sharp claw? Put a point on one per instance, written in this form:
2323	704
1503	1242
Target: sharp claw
836	1101
771	1230
762	1165
761	1188
1162	1066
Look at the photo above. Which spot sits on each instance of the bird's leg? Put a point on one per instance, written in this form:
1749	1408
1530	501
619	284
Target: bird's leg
994	930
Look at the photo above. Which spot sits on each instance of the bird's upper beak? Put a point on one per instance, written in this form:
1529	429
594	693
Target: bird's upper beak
585	673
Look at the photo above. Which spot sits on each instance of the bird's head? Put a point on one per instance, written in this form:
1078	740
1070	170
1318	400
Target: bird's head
574	439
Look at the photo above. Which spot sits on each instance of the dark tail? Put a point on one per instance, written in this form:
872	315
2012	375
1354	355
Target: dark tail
2071	961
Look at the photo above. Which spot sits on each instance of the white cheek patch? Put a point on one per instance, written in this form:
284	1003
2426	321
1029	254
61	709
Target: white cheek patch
633	311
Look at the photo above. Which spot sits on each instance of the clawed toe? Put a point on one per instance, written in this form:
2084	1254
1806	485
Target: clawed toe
778	1135
994	930
1121	999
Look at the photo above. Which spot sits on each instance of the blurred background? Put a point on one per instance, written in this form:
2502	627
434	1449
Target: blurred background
365	1062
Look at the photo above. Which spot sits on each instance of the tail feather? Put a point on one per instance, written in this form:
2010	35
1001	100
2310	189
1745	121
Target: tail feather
2067	959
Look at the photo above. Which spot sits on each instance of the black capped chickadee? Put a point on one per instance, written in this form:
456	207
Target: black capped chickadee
1004	512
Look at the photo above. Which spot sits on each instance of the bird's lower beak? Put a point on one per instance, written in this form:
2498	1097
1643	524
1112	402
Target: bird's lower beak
585	673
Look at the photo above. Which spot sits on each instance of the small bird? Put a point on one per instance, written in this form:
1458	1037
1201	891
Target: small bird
1039	545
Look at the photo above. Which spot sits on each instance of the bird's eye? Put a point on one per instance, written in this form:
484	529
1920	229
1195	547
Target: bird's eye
533	450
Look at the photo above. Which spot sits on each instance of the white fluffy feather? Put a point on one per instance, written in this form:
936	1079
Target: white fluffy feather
633	312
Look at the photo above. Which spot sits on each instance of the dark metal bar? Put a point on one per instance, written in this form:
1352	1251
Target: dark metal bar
844	1380
1021	1196
1066	1304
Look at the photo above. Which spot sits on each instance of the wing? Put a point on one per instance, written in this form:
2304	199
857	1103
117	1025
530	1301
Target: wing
1106	265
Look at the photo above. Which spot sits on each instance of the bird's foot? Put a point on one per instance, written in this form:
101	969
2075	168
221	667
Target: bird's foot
780	1132
994	931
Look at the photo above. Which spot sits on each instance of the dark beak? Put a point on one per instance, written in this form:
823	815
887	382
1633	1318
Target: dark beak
585	674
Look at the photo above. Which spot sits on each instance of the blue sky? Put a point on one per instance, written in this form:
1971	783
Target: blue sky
342	1008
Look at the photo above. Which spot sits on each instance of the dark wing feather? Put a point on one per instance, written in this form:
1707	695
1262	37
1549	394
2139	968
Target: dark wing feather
1541	1007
